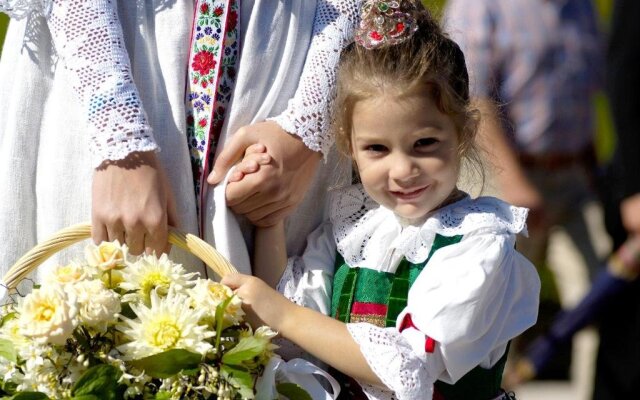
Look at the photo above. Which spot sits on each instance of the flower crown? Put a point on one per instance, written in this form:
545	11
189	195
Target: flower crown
386	23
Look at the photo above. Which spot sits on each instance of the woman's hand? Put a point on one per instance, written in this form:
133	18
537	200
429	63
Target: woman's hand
274	191
132	202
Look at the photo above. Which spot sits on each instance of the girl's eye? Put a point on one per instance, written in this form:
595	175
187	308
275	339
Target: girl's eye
425	142
376	148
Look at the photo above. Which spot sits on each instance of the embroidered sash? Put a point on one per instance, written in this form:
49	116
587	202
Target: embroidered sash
211	73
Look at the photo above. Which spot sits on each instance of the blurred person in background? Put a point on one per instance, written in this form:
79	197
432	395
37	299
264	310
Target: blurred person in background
618	363
534	67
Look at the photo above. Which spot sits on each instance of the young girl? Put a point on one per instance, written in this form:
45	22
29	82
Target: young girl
422	284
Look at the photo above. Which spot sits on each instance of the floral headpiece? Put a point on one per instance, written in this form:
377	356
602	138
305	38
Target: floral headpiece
386	23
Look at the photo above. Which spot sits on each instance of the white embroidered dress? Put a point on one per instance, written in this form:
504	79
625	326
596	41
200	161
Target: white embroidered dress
99	79
472	297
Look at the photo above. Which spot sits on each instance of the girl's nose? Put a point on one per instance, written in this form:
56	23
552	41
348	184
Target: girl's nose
403	168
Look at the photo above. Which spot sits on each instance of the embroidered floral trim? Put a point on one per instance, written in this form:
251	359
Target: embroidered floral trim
386	23
212	71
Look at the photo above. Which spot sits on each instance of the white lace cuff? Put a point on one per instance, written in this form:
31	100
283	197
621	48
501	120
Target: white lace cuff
308	113
19	9
88	37
391	358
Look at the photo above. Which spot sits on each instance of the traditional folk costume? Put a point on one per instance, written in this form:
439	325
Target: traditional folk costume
83	81
433	302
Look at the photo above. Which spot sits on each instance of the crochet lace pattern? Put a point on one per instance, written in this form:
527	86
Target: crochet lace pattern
19	9
308	113
361	227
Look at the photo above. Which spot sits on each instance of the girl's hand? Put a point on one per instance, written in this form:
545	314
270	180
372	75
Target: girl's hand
275	190
263	305
132	202
254	157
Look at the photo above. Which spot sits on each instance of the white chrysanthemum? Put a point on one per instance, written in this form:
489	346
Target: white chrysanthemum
49	315
97	306
107	255
11	331
150	273
66	274
169	323
207	295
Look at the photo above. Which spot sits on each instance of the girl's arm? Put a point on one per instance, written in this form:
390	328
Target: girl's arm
270	253
324	337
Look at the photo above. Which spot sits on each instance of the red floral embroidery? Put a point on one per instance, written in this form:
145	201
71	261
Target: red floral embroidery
203	62
218	11
376	36
233	20
204	8
202	123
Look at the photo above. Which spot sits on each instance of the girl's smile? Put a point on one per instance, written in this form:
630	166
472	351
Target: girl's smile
406	152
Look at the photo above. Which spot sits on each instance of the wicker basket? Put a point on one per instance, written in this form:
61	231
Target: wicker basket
73	234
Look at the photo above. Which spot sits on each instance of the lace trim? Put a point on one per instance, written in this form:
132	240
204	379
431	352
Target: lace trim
308	112
365	231
390	358
290	281
88	37
19	9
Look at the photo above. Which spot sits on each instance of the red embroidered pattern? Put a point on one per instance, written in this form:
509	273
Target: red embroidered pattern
211	73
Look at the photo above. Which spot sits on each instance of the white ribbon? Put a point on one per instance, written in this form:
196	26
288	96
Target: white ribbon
298	371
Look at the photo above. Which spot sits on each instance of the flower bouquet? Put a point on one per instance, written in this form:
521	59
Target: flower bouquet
115	326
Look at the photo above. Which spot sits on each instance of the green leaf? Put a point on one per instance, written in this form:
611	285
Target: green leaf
293	391
168	363
99	382
30	396
240	378
8	317
8	350
163	396
220	321
247	349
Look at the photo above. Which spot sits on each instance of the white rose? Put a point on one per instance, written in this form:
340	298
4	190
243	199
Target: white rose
207	295
97	306
106	256
48	315
66	274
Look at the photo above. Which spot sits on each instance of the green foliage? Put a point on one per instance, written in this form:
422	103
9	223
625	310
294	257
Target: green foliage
239	377
99	382
8	351
4	22
168	363
292	391
29	396
246	350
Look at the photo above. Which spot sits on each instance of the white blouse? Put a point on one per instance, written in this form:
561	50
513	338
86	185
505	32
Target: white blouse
472	297
88	37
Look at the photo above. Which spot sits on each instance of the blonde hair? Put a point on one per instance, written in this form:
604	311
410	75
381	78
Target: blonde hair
428	62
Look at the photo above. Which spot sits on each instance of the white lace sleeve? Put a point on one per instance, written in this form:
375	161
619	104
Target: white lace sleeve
307	280
20	8
88	38
308	112
392	359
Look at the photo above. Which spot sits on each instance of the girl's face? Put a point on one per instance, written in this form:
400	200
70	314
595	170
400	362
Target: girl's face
406	151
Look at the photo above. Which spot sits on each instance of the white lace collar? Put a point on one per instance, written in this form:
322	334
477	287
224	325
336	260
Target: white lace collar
367	233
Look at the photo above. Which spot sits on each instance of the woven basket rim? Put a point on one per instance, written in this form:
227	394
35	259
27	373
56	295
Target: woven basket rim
76	233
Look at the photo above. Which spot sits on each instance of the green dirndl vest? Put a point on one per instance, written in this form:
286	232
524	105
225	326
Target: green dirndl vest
366	295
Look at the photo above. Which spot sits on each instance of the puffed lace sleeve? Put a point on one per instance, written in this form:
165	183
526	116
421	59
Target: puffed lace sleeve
307	280
88	38
308	113
469	301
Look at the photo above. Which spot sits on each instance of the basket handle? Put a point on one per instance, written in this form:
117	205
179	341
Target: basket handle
73	234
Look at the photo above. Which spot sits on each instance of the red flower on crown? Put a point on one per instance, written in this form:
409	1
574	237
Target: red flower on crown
375	36
203	62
